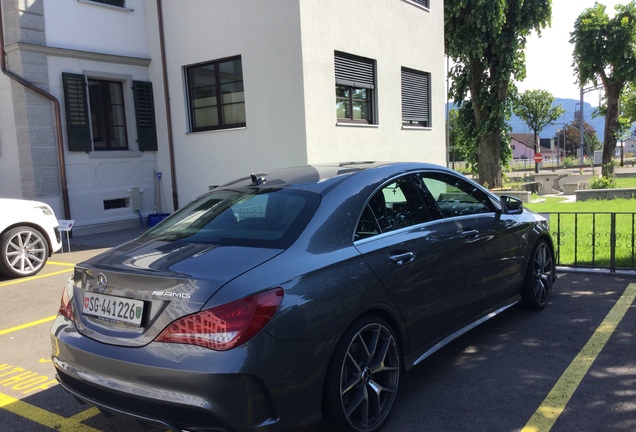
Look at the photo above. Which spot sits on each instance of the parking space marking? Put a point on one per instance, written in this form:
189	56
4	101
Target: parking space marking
27	325
58	263
47	418
22	380
554	404
27	279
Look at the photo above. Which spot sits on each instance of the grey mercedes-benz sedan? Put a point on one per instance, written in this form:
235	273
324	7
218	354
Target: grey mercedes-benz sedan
295	296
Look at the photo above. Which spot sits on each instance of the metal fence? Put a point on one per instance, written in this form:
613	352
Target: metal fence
594	240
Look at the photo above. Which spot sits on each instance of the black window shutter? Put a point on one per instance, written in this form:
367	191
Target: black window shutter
424	3
354	71
415	96
77	125
145	113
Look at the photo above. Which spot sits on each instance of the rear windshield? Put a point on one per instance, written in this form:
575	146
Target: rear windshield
271	218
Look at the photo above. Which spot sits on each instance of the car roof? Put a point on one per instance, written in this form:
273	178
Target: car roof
321	177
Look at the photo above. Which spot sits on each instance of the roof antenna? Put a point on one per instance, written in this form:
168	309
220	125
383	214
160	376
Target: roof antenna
257	181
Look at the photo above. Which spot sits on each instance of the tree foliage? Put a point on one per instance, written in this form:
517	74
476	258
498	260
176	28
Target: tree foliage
459	142
535	108
626	111
570	137
605	51
485	40
628	103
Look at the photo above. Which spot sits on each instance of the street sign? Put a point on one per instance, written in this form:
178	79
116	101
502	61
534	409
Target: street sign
538	157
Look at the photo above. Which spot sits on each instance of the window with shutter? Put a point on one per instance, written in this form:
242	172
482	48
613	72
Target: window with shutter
416	98
355	88
423	3
108	115
118	3
76	108
145	112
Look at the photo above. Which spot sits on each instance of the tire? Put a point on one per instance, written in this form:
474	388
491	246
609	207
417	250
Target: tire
540	275
24	251
363	377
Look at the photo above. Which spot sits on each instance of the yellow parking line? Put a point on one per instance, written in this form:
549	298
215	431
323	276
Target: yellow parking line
16	281
47	418
554	404
58	263
29	324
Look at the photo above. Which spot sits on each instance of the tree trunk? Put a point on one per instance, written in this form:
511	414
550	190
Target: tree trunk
611	126
489	158
537	149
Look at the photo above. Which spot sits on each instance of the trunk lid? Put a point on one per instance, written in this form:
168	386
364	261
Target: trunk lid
128	295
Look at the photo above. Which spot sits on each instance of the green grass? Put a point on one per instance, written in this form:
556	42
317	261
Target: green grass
626	182
558	204
582	230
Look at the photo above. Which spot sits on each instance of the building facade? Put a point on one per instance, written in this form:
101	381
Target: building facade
161	100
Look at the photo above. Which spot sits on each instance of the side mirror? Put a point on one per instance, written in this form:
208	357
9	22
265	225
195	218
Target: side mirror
511	205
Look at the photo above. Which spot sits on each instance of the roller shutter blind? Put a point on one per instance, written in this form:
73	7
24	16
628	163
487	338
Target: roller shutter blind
415	97
424	3
354	71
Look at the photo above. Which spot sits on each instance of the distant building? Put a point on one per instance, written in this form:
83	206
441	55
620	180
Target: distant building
522	145
548	148
247	86
629	146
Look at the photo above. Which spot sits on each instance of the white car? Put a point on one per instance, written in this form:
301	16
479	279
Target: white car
28	236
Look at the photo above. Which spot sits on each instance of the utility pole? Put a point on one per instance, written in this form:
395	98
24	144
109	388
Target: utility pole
581	126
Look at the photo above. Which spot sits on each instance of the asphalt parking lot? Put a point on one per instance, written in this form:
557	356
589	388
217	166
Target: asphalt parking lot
571	367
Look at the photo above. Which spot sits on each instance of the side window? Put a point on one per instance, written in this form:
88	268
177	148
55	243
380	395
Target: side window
396	205
455	196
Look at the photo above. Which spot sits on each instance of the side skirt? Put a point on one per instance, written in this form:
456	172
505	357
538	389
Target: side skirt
448	339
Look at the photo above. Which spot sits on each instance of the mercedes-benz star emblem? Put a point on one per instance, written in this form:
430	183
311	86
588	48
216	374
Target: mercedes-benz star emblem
102	282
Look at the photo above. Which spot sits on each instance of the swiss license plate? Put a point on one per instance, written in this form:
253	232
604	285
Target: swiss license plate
114	309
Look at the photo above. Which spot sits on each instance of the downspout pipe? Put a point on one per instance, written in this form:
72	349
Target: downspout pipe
58	116
166	92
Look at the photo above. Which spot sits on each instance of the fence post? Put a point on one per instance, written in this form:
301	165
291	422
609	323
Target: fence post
613	243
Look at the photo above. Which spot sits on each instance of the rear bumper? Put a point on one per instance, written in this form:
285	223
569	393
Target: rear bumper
191	413
184	387
55	237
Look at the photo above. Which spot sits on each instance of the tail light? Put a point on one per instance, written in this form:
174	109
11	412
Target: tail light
66	307
227	326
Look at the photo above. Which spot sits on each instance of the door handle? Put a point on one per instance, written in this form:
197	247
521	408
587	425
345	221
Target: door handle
403	258
470	234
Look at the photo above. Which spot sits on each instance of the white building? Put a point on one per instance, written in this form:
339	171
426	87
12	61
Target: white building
628	147
251	85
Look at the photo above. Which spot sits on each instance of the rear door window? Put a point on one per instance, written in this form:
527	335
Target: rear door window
398	204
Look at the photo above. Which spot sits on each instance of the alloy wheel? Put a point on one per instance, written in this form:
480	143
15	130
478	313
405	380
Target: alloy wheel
369	377
542	274
25	251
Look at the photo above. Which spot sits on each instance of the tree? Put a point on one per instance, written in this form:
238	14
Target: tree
604	49
626	113
485	40
535	108
459	142
573	138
